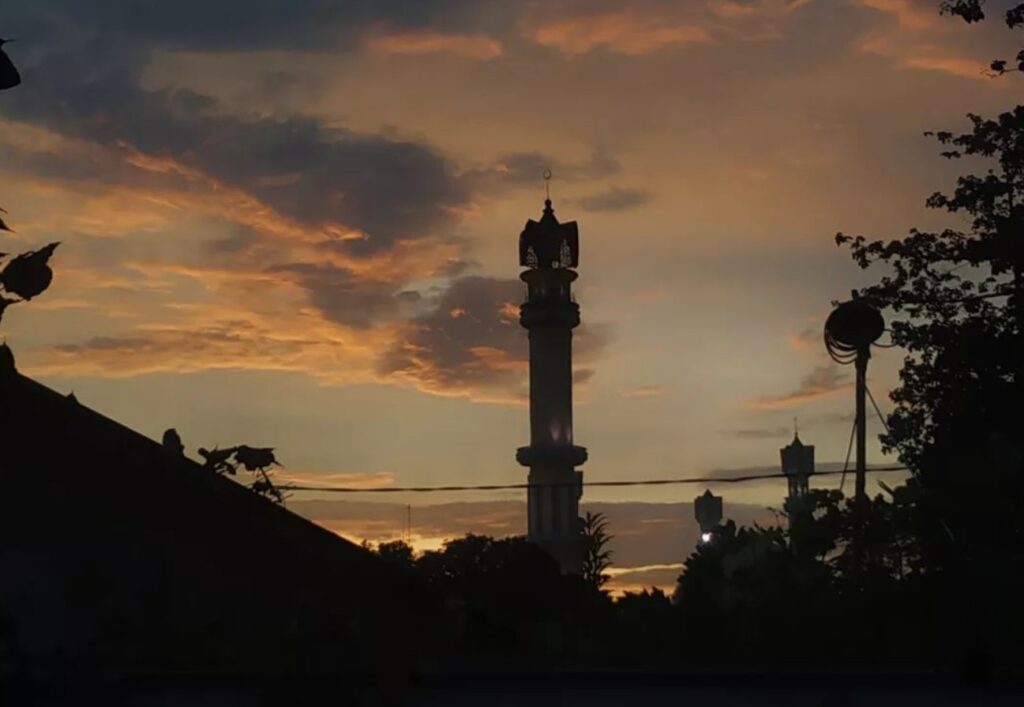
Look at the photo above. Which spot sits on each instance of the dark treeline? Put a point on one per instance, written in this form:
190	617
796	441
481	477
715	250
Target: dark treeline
753	599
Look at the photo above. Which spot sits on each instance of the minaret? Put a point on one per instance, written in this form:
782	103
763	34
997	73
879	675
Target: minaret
797	464
550	252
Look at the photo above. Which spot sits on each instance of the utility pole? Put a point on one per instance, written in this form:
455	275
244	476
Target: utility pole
861	365
850	330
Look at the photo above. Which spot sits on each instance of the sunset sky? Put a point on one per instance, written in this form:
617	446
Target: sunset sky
295	224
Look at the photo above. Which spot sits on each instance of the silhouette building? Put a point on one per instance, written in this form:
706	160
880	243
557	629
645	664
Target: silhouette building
707	510
123	556
797	465
549	251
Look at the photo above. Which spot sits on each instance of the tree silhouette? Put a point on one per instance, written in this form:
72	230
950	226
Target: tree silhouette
957	304
26	275
971	11
256	460
397	552
959	301
597	558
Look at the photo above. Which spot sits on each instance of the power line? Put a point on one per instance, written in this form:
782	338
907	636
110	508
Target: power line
878	412
524	486
849	449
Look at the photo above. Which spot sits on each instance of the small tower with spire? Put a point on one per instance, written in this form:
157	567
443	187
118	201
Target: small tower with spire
549	251
797	464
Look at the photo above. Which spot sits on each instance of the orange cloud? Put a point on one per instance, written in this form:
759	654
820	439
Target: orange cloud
807	341
644	391
821	382
643	577
731	9
920	39
510	311
626	31
480	47
910	14
341	480
908	54
956	66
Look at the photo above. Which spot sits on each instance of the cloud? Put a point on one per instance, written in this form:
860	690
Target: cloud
614	199
480	47
324	177
809	340
918	37
649	26
471	342
342	297
824	380
291	477
760	433
527	168
631	31
907	53
644	391
241	25
215	337
909	14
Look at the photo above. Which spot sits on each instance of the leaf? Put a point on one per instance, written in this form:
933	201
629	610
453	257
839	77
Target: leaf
29	274
9	76
4	304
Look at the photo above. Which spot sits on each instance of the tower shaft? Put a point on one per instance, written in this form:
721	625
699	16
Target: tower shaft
549	314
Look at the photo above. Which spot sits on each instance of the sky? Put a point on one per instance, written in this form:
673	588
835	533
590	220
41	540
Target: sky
295	224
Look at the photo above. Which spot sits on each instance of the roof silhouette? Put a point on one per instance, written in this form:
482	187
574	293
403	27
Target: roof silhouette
123	554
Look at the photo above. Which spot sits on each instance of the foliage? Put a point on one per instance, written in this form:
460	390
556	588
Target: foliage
397	552
959	296
956	299
597	558
971	11
256	460
26	275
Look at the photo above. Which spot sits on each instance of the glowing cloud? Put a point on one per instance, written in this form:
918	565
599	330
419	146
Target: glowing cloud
468	46
625	31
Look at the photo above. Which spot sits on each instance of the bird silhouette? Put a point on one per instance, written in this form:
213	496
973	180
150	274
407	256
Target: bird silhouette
29	274
172	442
9	76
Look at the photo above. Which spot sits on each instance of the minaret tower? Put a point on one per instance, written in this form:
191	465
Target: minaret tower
550	251
797	464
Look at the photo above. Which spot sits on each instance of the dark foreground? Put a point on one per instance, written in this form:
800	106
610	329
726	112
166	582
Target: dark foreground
592	690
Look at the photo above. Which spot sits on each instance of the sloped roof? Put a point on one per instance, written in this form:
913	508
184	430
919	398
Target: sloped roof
117	549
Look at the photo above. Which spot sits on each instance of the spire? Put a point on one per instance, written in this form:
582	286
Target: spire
547	244
549	212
